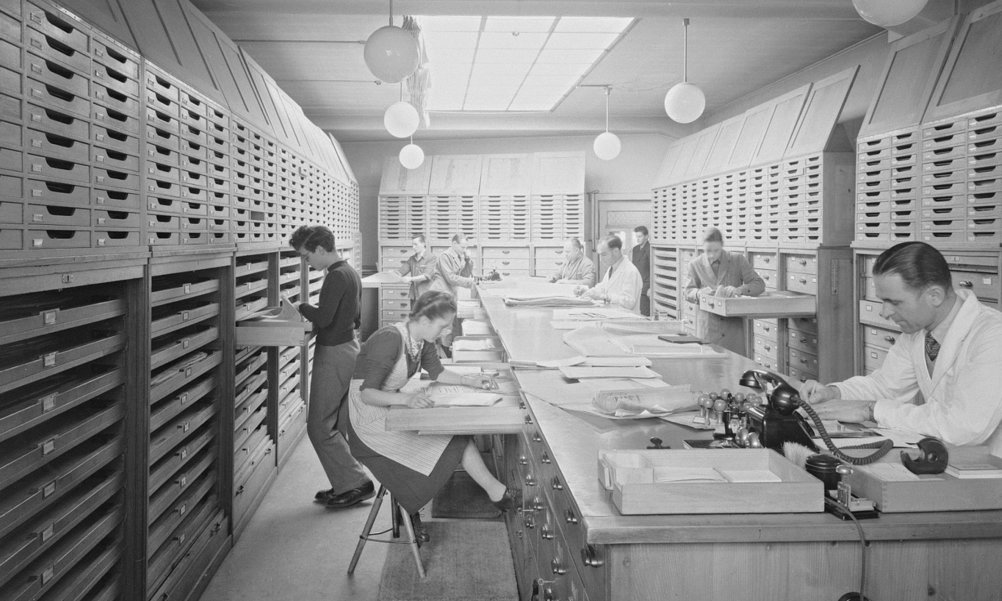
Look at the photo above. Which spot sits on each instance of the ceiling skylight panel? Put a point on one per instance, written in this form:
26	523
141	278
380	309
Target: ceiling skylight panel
498	39
437	24
592	24
568	56
599	41
520	24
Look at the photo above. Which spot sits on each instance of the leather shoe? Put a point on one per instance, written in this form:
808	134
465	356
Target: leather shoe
506	504
323	495
420	532
350	497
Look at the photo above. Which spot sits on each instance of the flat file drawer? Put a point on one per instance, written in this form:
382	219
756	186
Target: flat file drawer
983	285
505	253
803	361
801	264
766	347
806	283
767	329
881	338
803	341
873	358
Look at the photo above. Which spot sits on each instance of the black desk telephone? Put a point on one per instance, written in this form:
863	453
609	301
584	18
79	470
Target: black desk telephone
777	422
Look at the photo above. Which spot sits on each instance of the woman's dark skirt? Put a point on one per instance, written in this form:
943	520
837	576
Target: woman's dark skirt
412	490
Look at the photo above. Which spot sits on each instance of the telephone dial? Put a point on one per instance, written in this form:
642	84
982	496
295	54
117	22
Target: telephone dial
776	421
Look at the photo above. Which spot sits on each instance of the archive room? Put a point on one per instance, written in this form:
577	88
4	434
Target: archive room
498	300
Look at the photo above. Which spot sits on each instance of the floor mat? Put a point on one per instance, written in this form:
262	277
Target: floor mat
464	560
462	498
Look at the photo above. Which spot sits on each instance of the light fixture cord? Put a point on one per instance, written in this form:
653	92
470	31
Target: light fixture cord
391	13
685	48
607	90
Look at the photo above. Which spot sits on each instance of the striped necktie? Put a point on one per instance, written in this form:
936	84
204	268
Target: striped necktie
931	347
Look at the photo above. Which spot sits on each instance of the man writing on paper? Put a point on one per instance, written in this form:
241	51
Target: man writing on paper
577	268
943	375
621	284
419	268
726	274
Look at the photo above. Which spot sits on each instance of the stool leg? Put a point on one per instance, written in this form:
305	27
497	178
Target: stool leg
412	541
369	521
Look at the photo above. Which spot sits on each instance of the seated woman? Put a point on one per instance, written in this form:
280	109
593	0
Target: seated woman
411	466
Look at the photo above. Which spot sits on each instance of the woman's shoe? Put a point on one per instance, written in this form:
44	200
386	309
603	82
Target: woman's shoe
506	504
420	532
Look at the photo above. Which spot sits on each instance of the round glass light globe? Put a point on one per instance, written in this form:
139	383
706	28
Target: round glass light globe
606	146
391	53
401	119
411	156
888	13
685	102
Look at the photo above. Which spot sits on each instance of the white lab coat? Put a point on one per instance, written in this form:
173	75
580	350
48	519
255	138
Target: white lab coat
623	288
963	395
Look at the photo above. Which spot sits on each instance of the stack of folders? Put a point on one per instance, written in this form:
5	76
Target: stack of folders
981	466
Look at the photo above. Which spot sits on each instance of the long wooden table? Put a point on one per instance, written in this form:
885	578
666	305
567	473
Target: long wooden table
570	541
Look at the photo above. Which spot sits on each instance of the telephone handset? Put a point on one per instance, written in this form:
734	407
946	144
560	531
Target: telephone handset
777	422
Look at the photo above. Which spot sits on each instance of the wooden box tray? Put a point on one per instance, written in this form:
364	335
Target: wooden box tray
707	481
939	492
779	303
274	327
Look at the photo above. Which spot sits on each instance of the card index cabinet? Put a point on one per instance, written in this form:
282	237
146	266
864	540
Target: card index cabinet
187	506
63	416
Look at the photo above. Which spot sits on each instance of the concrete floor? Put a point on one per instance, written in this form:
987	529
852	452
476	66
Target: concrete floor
295	549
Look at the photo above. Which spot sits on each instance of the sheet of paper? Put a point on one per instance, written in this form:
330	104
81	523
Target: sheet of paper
575	372
689	419
384	277
474	344
597	313
651	346
888	472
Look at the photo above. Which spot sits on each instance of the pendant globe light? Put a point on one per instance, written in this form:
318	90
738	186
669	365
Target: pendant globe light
411	156
391	53
606	144
888	13
401	118
685	102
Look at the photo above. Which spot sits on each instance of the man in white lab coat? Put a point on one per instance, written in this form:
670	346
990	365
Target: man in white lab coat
943	376
621	284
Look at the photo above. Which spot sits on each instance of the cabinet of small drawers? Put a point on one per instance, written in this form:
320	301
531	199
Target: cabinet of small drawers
394	303
63	415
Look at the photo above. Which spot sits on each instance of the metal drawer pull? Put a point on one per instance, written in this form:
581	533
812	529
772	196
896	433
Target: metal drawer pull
556	567
890	339
591	557
966	284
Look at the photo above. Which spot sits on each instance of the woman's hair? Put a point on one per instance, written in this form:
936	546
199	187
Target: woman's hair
433	304
312	236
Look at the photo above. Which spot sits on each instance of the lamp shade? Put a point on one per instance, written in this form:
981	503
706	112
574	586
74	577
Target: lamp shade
401	119
391	53
685	102
606	146
888	13
411	156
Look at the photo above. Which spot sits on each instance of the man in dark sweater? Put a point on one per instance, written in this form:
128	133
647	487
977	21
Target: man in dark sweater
334	321
640	255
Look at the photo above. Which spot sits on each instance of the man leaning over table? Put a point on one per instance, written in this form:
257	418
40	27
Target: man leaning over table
577	268
621	284
943	375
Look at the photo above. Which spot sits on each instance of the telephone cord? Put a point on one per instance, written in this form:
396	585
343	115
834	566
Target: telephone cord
883	447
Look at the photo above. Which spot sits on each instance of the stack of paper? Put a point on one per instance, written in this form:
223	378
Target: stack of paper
547	301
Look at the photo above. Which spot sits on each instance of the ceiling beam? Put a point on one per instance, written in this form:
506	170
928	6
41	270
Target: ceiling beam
838	10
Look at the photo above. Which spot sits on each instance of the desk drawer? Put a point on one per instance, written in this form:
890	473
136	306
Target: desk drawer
806	283
873	358
801	264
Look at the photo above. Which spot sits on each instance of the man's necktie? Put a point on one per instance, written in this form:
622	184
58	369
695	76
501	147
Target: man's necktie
931	347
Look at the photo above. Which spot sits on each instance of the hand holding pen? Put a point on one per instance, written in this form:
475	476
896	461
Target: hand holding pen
813	392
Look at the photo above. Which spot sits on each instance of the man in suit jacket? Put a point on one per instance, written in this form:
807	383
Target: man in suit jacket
640	255
454	270
721	273
577	268
943	375
419	269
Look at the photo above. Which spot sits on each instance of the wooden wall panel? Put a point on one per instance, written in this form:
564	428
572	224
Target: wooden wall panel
786	111
106	15
723	145
906	84
972	78
821	112
700	150
754	126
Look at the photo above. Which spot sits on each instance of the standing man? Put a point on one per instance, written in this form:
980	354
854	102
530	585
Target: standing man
721	273
335	321
454	269
577	268
640	255
942	376
419	268
621	283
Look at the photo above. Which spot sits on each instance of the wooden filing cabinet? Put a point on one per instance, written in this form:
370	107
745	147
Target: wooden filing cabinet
507	261
394	303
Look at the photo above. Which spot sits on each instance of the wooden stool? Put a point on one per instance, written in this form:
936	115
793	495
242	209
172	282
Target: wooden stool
396	513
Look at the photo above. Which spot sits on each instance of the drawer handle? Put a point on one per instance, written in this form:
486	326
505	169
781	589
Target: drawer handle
591	557
536	437
966	284
570	518
802	262
556	484
528	418
890	339
545	457
802	280
557	568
